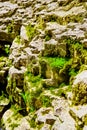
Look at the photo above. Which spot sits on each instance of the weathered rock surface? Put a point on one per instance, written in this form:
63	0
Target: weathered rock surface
14	121
79	113
37	31
79	88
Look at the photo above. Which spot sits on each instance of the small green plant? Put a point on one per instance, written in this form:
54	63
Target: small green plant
16	109
7	49
47	38
32	121
72	72
62	85
10	28
11	98
40	23
33	78
57	62
35	81
71	41
31	99
46	101
31	31
27	97
48	35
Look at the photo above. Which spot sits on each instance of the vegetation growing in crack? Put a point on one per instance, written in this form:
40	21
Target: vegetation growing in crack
56	62
31	31
33	95
10	27
40	23
17	39
48	35
75	48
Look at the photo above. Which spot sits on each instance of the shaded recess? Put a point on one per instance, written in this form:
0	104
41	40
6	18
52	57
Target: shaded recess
4	64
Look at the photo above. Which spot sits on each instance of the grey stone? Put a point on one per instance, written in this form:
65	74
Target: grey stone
17	119
47	117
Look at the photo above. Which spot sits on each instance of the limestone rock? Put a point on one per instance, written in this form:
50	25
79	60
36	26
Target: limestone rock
23	34
79	113
55	21
3	103
30	55
47	83
47	117
37	44
17	77
14	121
79	91
7	9
21	61
61	110
85	127
50	48
46	127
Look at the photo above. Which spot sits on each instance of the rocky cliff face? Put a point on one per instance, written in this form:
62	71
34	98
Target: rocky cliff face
43	64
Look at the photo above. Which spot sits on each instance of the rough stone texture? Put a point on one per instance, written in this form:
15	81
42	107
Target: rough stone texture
54	21
47	118
79	113
15	84
61	110
24	12
3	103
56	118
23	34
17	122
79	88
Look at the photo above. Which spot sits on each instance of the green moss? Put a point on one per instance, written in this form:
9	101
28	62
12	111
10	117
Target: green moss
10	28
31	99
79	94
74	47
40	23
32	78
13	125
56	62
48	35
17	39
72	72
13	29
33	122
31	31
62	90
51	18
46	101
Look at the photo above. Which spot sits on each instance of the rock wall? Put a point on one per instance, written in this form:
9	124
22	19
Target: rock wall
44	47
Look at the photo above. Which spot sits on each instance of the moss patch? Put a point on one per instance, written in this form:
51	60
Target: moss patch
57	62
